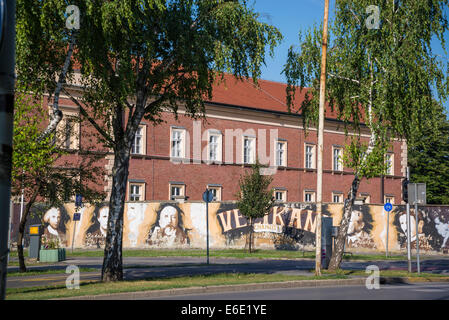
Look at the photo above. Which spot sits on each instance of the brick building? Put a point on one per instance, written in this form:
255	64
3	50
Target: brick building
180	158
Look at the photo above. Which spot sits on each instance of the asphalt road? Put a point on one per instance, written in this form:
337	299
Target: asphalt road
427	291
142	268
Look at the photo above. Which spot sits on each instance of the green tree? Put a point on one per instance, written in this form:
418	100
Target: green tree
379	80
255	198
428	158
138	58
37	162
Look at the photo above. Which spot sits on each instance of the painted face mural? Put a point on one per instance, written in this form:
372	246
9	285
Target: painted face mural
168	230
438	228
96	234
103	220
289	226
426	229
54	229
359	229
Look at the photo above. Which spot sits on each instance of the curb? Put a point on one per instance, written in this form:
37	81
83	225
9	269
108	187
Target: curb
220	289
411	280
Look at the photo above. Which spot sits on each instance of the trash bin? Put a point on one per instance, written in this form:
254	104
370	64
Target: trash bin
35	240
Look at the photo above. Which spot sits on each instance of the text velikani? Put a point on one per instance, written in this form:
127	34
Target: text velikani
277	217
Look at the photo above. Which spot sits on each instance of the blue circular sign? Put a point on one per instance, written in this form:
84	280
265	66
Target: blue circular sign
208	196
388	207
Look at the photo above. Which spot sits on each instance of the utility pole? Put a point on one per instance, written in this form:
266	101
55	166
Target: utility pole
417	228
319	199
7	81
409	255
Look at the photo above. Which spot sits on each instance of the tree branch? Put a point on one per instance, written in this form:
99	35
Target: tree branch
57	114
92	121
344	78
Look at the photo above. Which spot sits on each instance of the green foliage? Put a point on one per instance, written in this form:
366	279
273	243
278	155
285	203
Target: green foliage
428	159
172	50
381	81
367	164
37	162
255	199
31	155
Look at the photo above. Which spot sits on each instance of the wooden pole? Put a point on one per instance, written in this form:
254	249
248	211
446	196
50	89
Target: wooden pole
319	199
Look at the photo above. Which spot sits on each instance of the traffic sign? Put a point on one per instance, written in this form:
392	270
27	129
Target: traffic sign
208	196
417	193
388	207
78	200
76	216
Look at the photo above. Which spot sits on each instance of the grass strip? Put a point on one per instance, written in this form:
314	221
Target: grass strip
222	253
46	271
230	253
386	273
96	288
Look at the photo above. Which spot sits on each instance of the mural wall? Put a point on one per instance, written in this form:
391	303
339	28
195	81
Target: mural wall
286	226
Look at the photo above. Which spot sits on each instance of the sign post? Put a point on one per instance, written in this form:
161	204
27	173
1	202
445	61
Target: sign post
76	215
387	207
207	197
407	208
417	230
417	196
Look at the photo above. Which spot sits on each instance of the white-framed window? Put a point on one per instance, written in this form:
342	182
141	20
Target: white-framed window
309	156
214	147
337	197
389	161
136	191
249	150
389	199
177	143
309	196
68	131
281	153
216	192
280	195
337	161
177	191
138	146
366	198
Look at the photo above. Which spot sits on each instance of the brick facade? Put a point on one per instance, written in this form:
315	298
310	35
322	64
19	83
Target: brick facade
255	112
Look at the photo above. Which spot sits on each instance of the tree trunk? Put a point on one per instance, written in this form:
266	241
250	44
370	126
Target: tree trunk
250	234
22	225
112	264
339	247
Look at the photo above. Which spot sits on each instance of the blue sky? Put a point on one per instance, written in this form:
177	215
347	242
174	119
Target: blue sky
290	16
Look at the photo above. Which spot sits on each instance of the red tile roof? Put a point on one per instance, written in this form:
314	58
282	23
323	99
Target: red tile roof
269	95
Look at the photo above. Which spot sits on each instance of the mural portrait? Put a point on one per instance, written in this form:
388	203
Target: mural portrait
359	229
425	229
440	218
96	234
169	228
54	221
287	226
